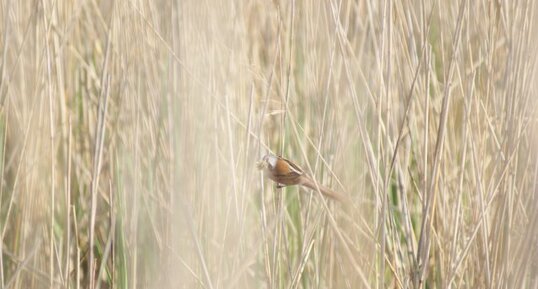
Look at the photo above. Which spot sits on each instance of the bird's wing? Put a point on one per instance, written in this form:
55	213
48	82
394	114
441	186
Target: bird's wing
295	169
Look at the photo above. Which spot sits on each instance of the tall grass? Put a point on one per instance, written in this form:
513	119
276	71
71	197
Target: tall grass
130	132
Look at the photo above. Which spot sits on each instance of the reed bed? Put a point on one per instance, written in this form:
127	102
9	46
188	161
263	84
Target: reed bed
130	132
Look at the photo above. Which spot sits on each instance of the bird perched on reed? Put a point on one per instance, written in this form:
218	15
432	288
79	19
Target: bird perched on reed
286	173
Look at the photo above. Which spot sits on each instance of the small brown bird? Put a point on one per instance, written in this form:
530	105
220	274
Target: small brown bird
285	173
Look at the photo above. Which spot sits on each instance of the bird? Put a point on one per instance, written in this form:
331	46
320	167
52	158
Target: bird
285	173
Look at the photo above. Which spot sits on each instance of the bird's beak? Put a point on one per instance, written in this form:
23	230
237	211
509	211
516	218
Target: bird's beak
262	164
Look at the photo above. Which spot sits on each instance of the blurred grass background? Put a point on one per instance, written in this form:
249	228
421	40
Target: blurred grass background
130	131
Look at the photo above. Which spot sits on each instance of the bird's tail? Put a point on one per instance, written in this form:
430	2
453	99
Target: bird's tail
309	183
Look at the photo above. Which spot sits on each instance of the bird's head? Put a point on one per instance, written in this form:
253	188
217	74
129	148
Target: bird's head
267	162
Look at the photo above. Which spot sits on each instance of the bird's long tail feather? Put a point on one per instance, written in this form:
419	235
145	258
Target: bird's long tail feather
324	190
